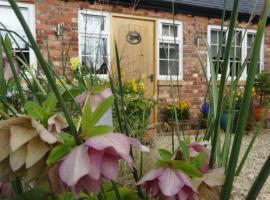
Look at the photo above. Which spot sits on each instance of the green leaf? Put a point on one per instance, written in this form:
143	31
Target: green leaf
57	153
198	162
98	130
8	43
99	88
49	104
165	154
68	139
86	117
188	168
102	108
34	110
184	149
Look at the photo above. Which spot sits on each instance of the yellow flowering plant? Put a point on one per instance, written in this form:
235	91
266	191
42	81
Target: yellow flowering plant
182	110
137	105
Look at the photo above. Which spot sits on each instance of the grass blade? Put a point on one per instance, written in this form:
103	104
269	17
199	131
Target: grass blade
260	180
227	187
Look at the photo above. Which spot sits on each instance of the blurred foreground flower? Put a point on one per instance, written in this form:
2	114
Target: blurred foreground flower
95	99
97	160
168	183
23	142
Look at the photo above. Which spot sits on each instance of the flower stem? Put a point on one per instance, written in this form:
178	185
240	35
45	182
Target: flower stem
116	190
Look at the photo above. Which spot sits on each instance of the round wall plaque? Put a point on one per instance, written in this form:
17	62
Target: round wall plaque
134	37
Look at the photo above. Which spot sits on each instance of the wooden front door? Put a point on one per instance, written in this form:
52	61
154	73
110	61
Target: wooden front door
135	38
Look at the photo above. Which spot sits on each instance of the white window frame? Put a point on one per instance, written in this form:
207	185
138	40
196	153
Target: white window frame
31	23
244	48
178	39
105	33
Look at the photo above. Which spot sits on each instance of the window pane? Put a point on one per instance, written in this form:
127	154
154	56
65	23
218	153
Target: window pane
96	65
93	24
214	37
250	39
163	67
173	30
238	38
163	50
174	51
174	67
165	30
214	50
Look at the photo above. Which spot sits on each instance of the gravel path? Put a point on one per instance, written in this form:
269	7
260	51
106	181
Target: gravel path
256	159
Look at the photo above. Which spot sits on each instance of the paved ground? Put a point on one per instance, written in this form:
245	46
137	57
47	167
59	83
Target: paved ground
253	165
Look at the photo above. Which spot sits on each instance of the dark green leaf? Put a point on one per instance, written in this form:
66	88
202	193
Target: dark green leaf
57	153
102	108
98	130
34	110
165	154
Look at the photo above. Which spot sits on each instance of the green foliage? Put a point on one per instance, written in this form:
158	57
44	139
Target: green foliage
33	194
61	150
90	119
57	153
262	87
165	154
44	112
188	168
137	106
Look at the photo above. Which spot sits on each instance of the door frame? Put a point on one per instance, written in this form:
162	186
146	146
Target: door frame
155	46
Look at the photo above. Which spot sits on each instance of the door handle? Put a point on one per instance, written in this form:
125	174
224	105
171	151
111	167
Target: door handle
151	77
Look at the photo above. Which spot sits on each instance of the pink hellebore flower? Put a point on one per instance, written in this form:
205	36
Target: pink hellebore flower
97	160
56	123
94	99
171	184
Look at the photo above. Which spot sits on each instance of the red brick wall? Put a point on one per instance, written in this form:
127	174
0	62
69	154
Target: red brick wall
49	13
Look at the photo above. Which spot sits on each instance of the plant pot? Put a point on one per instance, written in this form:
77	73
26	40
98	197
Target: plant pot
224	120
259	111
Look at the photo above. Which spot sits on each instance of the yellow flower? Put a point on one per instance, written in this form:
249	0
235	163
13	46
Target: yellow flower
75	63
141	86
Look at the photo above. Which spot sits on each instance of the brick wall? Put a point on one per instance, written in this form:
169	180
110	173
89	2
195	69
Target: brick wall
49	13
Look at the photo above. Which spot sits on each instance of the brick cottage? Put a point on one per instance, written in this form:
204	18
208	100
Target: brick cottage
149	36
